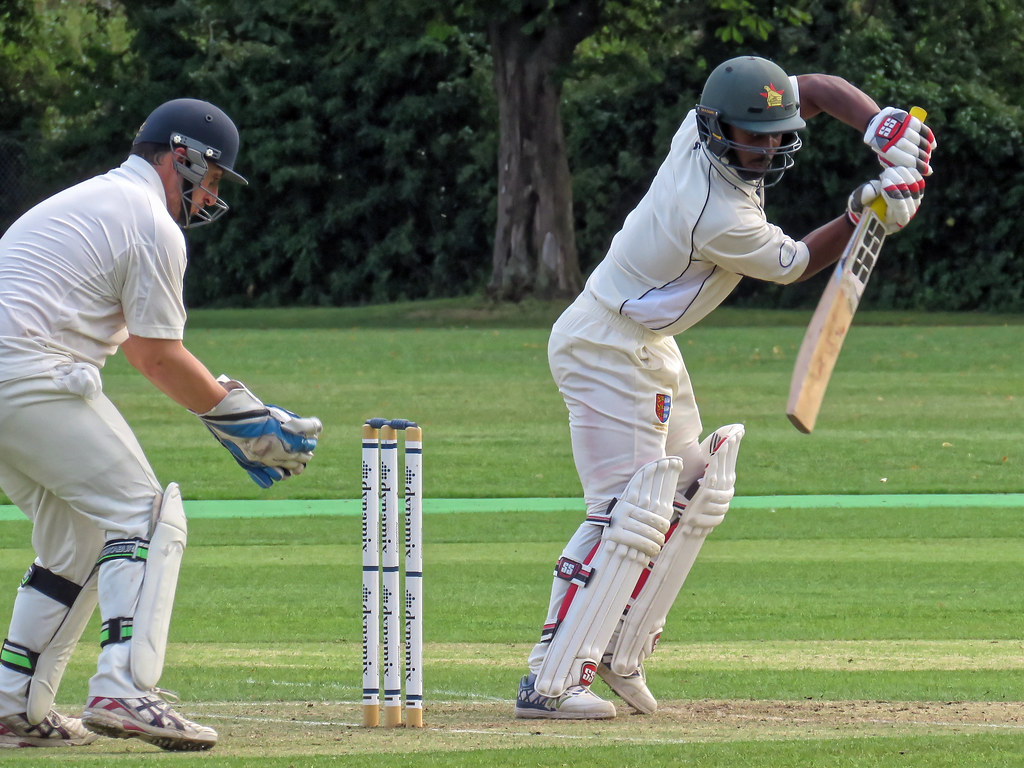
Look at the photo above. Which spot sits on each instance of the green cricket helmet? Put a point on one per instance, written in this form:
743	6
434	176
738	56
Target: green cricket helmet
755	95
207	134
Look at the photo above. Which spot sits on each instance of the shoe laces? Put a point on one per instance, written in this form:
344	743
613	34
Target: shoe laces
171	697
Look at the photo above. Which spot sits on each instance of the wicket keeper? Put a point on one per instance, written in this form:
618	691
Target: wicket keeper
97	268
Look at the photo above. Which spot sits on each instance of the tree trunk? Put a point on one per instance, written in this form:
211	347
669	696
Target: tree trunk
534	241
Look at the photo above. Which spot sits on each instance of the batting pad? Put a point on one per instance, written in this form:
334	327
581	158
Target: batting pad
645	619
156	598
635	534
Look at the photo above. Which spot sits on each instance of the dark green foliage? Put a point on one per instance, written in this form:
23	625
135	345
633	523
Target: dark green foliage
370	174
64	68
961	251
369	132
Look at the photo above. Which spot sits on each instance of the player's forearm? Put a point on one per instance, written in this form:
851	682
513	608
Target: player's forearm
826	245
836	97
174	371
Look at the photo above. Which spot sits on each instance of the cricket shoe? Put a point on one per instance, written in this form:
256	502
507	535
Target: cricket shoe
150	719
55	730
577	703
631	688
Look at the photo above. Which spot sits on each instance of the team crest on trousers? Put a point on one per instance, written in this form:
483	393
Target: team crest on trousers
662	407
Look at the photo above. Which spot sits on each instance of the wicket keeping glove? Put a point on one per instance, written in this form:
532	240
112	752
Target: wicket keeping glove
903	190
901	139
267	441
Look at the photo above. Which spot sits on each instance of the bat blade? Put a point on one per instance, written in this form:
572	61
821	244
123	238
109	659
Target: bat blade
831	321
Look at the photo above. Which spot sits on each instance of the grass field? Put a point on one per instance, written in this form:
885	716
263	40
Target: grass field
912	408
831	634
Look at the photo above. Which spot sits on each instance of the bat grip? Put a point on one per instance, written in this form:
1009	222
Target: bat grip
878	204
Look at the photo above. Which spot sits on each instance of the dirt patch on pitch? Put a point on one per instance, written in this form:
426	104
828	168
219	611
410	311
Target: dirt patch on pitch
315	728
813	717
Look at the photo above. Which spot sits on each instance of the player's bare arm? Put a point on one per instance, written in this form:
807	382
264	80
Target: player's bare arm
898	137
826	245
837	97
175	371
902	189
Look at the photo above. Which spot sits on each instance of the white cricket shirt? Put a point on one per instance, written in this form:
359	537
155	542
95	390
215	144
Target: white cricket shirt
85	267
687	244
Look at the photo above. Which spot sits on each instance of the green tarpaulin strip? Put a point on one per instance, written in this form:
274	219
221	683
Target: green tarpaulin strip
198	510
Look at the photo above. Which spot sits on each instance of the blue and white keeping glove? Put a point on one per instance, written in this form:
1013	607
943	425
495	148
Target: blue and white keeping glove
268	442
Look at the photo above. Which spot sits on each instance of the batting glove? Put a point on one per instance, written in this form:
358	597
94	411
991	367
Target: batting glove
267	441
901	188
901	139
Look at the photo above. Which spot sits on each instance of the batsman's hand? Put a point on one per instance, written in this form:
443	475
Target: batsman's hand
901	139
901	188
267	441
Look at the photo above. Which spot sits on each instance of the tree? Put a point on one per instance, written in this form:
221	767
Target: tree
534	242
533	44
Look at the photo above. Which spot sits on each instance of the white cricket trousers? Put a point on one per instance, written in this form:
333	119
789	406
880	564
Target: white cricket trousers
71	463
614	376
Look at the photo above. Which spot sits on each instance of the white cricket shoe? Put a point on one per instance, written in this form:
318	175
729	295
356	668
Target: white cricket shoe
577	703
56	730
150	719
632	688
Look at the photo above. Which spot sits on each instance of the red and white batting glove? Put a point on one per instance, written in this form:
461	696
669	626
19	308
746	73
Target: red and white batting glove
903	190
901	139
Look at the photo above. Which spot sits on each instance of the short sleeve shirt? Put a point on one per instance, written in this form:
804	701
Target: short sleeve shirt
694	235
88	266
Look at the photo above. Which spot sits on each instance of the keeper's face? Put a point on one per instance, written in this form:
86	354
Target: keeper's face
189	202
207	194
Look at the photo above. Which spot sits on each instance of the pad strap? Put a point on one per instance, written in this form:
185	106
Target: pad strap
573	571
18	658
124	549
64	591
116	630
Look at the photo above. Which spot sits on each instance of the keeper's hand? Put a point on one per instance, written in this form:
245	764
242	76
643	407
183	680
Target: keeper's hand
268	442
903	191
901	139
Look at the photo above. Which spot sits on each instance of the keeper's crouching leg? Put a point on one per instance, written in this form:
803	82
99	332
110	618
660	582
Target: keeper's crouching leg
50	614
138	578
138	581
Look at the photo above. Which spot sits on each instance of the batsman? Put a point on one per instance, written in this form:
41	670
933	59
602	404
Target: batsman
97	268
654	489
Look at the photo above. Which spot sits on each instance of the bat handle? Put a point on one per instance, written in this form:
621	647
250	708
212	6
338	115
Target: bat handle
878	204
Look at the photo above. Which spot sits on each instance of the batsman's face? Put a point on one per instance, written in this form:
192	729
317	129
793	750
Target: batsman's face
762	147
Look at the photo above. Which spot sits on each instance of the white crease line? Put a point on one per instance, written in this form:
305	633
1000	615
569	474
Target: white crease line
1011	726
876	721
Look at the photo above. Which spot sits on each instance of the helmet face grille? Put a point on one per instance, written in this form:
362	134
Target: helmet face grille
192	168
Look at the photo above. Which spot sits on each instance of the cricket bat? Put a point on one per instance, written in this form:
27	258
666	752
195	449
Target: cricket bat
832	319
